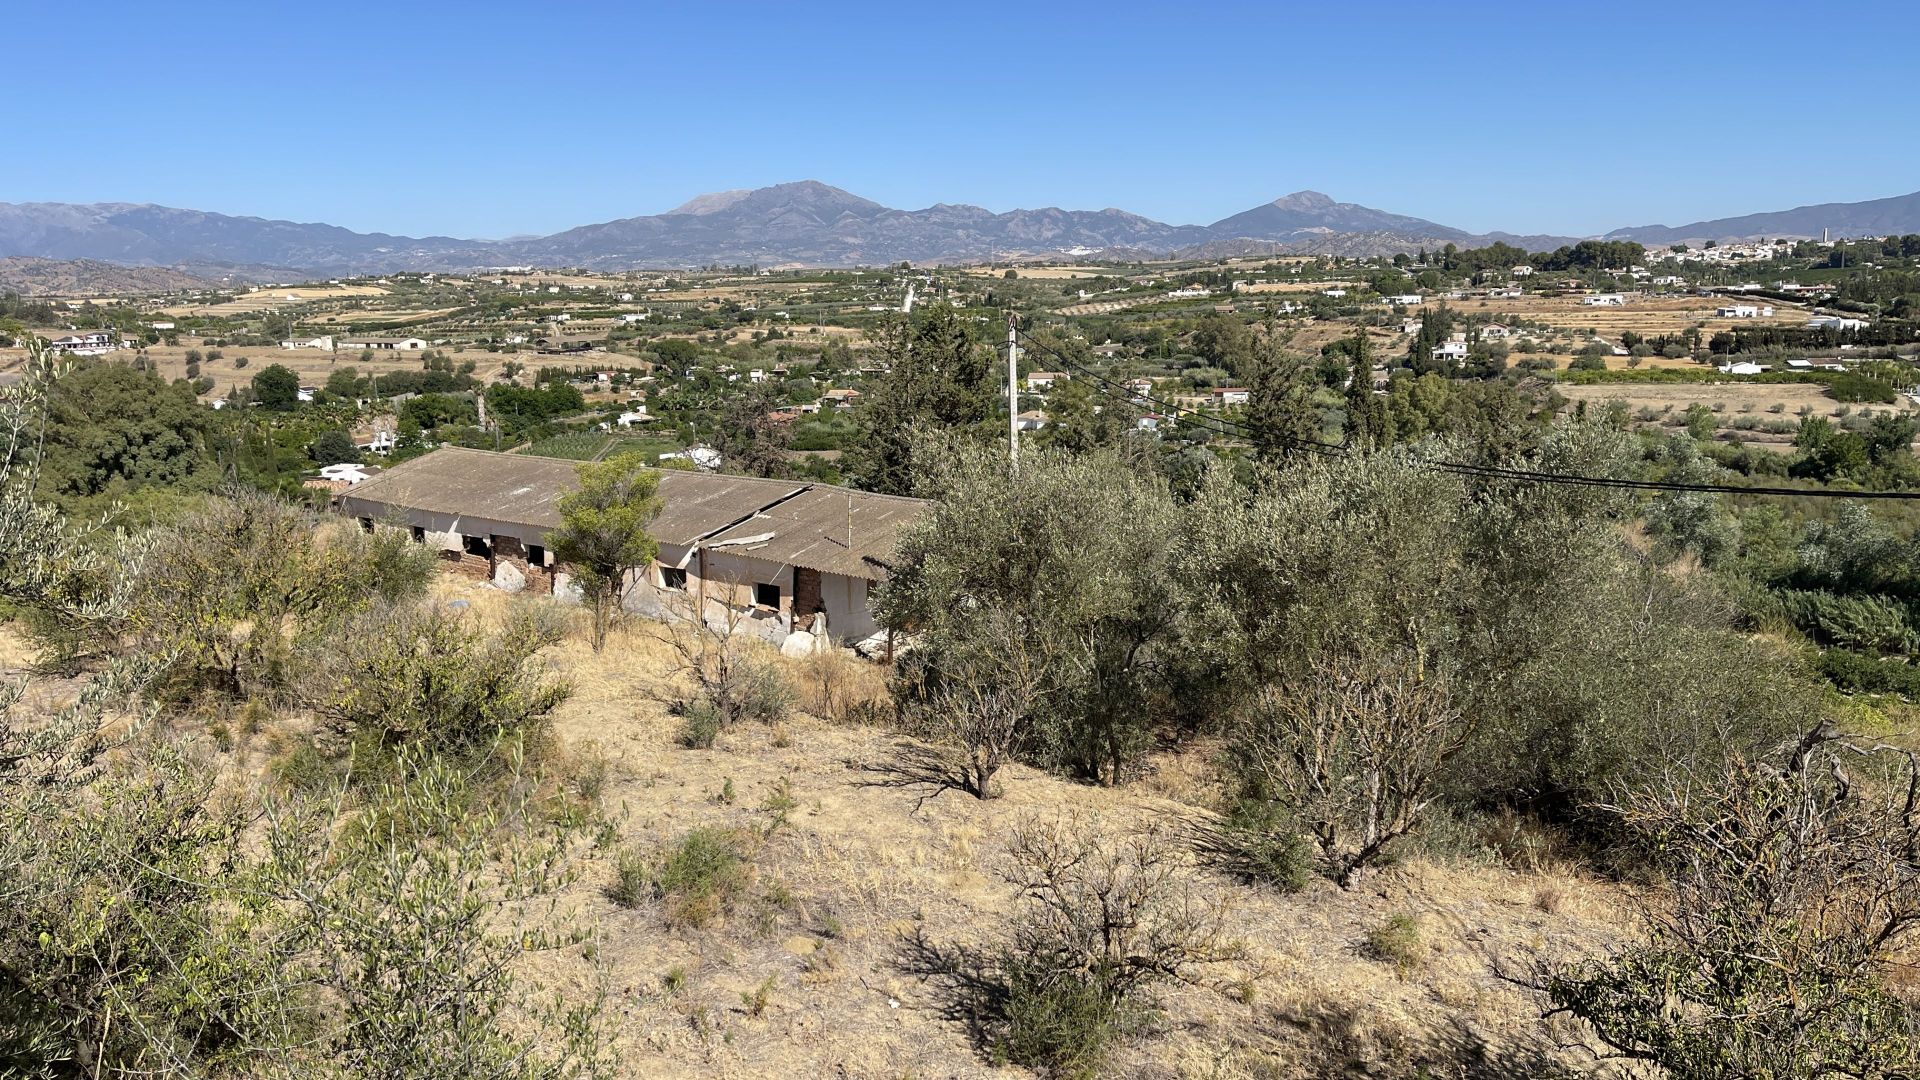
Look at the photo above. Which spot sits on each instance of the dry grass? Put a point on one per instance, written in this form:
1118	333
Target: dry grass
862	868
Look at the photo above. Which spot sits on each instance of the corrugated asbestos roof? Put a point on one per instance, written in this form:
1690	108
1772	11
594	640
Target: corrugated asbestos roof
831	529
807	523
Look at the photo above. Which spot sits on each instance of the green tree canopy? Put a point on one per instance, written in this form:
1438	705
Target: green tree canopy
275	387
112	428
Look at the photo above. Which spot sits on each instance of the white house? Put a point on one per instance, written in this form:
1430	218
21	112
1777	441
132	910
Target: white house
1522	271
160	326
1043	380
1231	395
1335	293
634	416
1743	311
1450	351
398	344
1403	299
1742	367
323	343
1494	331
1604	300
1835	322
1032	420
91	343
1150	422
702	457
346	471
1140	388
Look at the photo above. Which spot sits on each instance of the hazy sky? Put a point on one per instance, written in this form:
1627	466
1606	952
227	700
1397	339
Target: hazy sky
483	119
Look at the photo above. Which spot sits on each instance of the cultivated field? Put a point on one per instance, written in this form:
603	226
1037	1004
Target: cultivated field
277	298
1649	317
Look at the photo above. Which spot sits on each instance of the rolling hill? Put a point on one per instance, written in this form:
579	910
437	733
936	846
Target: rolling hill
1875	217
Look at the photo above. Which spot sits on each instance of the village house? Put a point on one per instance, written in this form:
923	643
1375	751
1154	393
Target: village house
1140	388
1043	380
1744	311
1450	351
1494	331
773	557
1231	395
1835	322
91	343
381	343
323	343
841	399
1032	420
1604	300
1403	299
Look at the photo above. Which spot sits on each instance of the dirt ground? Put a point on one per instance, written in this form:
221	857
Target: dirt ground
873	875
1735	396
277	297
1651	316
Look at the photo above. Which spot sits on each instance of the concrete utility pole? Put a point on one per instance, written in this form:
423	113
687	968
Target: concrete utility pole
1013	390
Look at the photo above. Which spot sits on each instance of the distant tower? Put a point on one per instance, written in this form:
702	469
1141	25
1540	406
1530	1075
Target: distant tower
1823	235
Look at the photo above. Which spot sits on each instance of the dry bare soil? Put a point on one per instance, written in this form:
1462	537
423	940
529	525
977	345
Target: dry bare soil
873	875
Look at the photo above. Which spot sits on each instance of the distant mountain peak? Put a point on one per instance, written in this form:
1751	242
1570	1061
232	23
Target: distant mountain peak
711	202
1304	200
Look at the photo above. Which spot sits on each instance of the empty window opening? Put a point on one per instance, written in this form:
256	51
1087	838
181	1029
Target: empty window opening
673	577
536	555
419	534
766	594
477	545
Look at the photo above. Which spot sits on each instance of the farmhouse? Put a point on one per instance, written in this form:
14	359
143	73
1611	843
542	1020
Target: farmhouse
1743	311
1231	395
1450	351
400	344
92	343
1604	300
1403	300
1044	380
1032	420
1835	322
774	557
323	343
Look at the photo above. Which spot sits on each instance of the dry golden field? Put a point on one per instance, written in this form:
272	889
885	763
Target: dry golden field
1649	317
868	871
276	298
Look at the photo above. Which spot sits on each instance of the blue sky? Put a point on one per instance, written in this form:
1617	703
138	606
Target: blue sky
488	119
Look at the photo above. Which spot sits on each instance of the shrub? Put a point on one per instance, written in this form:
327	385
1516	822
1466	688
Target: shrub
632	879
233	589
1396	941
735	678
1099	925
1792	902
1258	842
700	877
429	677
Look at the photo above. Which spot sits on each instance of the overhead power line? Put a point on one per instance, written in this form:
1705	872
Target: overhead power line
1117	391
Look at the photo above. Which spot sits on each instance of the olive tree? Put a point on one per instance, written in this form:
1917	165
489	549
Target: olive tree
603	538
1795	888
1068	558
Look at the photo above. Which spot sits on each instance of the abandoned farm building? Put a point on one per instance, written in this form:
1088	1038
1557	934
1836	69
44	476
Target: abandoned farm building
780	556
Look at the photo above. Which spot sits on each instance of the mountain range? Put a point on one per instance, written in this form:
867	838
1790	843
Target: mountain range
809	223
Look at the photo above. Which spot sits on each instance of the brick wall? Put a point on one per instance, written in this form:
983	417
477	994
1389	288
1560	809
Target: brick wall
472	566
